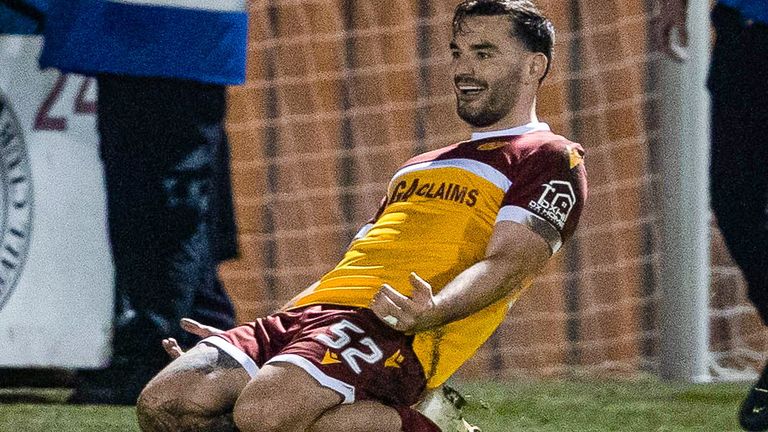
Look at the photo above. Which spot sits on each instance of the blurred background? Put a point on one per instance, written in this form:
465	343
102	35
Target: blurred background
338	94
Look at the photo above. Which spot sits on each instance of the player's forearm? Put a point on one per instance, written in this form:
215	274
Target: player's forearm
483	284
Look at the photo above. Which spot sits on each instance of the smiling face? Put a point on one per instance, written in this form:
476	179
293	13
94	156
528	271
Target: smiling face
492	72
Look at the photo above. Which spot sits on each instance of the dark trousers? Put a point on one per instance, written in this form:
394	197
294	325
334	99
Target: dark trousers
738	84
169	202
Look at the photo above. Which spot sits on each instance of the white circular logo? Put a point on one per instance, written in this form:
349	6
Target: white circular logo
15	200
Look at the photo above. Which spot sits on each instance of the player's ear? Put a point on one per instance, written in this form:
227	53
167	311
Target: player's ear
537	67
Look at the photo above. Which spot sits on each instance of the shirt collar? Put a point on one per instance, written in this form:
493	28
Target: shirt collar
519	130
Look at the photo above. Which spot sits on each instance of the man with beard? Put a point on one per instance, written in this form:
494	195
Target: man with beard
461	233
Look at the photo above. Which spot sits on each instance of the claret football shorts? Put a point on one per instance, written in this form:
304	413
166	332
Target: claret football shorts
345	349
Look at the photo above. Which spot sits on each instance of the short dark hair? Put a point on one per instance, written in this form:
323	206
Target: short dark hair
529	25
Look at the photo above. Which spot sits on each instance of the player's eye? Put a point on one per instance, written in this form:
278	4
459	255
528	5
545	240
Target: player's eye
455	54
482	55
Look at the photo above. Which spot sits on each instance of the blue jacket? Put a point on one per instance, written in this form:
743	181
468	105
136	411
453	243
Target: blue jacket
201	40
22	16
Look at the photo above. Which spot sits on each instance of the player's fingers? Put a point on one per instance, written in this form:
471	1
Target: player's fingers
399	300
422	290
172	348
385	310
198	329
384	304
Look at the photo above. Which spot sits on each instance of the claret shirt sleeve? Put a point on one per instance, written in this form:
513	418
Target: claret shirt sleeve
549	187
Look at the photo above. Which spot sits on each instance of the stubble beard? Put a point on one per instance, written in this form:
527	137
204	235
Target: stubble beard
490	109
478	116
481	114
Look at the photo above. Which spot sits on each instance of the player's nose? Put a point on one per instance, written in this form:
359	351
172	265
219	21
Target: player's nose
463	66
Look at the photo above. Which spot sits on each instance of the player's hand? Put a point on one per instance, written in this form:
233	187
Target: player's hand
171	346
672	18
408	315
197	329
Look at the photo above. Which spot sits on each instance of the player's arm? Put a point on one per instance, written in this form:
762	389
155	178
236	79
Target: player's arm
514	256
537	215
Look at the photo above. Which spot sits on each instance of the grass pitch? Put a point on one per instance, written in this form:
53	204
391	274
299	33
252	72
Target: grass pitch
495	407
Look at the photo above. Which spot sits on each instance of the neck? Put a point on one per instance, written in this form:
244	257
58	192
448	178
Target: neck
522	114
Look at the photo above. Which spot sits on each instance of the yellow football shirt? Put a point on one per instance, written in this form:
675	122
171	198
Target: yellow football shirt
437	219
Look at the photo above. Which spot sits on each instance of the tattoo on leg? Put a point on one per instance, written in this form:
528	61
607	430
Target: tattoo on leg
168	417
170	403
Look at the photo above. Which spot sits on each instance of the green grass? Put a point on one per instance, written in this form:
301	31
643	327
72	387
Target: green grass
36	410
603	406
496	407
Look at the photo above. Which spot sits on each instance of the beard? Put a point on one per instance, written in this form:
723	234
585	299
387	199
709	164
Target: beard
496	102
478	114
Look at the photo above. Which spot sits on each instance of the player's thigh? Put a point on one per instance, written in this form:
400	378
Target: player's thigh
282	397
361	416
204	381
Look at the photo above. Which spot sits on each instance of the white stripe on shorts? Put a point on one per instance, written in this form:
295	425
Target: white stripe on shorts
345	390
248	364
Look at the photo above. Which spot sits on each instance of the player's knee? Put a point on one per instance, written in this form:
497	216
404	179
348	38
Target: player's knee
160	409
159	406
187	394
154	412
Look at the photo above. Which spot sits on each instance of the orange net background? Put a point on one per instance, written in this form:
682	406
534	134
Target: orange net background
339	93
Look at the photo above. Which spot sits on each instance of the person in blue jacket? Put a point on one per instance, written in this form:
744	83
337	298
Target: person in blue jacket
162	68
738	87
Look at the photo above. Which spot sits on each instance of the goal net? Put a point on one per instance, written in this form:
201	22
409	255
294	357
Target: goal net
340	92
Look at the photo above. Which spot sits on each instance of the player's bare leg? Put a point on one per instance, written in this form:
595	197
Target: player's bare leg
282	397
362	416
196	392
369	416
351	418
286	398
